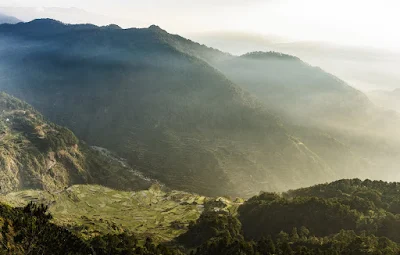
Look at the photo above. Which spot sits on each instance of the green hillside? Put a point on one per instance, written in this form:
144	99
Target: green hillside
344	217
369	207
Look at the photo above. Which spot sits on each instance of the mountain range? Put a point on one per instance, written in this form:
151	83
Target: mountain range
169	113
193	117
137	141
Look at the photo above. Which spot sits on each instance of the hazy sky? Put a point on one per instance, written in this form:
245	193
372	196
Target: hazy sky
354	22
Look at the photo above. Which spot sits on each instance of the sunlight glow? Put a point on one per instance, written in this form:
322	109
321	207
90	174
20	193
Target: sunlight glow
352	22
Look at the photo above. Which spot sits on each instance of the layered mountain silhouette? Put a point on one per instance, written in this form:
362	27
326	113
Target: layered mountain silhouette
180	111
335	120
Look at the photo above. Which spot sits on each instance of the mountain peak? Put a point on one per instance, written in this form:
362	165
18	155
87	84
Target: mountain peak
43	25
47	21
112	26
156	28
268	55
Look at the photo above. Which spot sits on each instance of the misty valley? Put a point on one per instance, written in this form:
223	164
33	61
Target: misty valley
140	141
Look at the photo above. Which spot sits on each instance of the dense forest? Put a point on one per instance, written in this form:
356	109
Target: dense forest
343	217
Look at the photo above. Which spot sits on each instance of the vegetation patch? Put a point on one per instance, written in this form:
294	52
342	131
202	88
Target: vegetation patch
90	210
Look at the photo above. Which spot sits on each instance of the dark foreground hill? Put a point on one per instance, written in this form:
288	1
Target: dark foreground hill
157	104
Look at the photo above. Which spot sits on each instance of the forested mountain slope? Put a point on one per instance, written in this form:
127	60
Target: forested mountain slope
170	114
326	209
35	153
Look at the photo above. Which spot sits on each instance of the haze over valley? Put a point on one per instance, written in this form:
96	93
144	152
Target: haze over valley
138	139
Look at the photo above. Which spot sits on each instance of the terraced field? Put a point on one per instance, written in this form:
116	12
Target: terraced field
90	210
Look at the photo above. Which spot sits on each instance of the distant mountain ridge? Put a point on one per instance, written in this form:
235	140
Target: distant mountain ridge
268	55
5	19
365	68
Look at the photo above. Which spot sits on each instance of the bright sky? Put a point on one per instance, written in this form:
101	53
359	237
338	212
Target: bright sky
353	22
